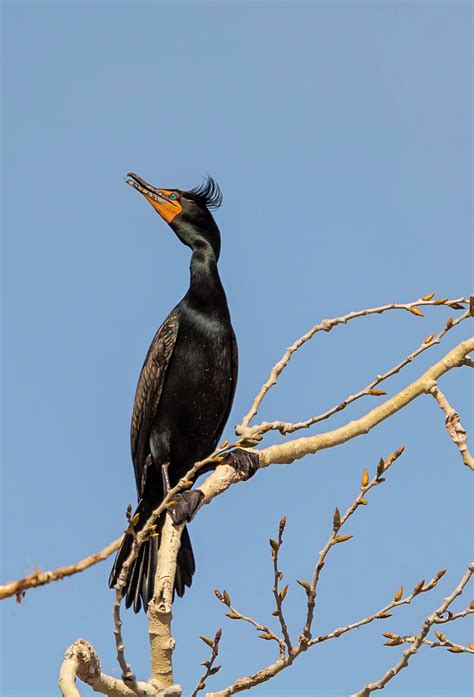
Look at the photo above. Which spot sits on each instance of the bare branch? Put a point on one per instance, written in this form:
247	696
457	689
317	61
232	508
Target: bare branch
265	632
327	325
42	578
454	426
128	676
452	616
383	613
370	390
294	449
250	681
305	640
81	661
209	665
278	594
335	537
160	607
443	642
419	639
289	451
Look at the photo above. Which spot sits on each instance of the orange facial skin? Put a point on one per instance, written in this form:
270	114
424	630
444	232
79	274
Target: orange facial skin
166	208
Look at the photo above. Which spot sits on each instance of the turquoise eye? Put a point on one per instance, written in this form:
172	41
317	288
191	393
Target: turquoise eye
173	197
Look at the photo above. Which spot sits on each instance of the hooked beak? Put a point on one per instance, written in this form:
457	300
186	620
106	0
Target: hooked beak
157	197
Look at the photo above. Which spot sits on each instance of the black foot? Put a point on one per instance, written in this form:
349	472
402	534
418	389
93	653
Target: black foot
184	510
244	461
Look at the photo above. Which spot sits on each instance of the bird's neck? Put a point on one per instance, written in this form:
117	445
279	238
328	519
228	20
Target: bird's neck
205	287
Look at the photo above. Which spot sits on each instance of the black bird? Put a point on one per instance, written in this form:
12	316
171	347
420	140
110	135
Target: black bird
185	389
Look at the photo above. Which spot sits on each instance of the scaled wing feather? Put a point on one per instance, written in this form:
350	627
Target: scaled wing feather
148	393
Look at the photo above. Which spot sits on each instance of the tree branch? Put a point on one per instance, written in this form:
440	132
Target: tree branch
335	538
326	326
209	665
81	661
285	659
160	607
278	594
289	451
370	390
419	639
285	453
454	426
443	643
41	578
234	614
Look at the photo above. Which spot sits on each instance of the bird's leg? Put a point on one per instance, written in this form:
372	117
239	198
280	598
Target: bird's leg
244	461
165	477
187	504
146	469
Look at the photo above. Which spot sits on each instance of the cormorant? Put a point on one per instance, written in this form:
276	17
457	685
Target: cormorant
185	389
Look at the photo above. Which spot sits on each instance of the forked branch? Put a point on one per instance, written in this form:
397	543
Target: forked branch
288	656
419	639
326	326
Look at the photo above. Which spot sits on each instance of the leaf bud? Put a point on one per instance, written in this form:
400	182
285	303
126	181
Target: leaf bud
398	594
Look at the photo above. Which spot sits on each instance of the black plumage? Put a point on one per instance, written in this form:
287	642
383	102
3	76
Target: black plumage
187	383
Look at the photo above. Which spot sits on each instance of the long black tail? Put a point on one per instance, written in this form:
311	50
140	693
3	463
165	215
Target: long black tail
141	575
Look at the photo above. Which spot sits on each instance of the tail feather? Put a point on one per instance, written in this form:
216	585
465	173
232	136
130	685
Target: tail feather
185	564
139	587
132	594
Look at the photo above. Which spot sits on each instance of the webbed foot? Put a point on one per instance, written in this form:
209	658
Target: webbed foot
186	506
244	461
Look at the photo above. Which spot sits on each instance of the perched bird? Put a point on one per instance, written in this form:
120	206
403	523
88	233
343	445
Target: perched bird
185	389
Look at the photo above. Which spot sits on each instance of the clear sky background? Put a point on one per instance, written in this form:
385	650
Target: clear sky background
340	135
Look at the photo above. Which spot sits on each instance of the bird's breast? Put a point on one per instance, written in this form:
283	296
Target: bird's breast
198	387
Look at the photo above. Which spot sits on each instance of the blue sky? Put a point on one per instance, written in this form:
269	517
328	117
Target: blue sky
340	135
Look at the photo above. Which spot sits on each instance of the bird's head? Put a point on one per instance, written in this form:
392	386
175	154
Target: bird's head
188	213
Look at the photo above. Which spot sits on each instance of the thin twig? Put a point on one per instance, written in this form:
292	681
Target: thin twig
444	643
283	662
234	614
327	325
209	665
128	676
278	594
305	641
335	537
370	390
454	427
453	616
383	613
293	449
42	578
419	639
